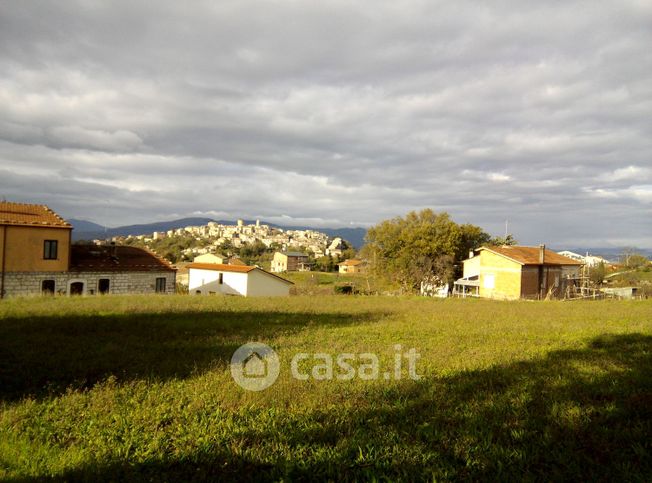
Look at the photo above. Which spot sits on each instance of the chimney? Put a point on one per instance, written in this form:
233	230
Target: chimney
113	251
542	254
471	253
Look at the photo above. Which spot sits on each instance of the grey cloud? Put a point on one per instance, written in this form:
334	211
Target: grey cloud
334	112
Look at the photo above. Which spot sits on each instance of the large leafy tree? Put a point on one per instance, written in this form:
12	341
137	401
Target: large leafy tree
420	245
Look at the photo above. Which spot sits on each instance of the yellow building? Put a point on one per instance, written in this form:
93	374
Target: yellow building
514	272
351	266
33	238
290	262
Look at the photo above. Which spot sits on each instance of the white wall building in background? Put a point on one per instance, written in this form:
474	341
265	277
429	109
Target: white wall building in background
247	281
588	260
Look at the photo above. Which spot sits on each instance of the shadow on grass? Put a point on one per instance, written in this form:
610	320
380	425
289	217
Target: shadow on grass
581	415
42	356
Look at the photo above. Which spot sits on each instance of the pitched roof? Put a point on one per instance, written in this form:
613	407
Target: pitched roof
30	215
294	254
530	255
352	262
221	267
218	267
94	258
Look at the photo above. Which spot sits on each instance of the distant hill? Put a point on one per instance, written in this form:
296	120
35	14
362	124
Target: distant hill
610	253
87	230
83	225
82	233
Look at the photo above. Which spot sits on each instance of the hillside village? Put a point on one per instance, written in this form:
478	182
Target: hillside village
219	238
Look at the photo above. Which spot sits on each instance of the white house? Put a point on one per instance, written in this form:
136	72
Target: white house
219	279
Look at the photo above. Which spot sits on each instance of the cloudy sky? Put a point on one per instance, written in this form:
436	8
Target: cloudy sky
334	113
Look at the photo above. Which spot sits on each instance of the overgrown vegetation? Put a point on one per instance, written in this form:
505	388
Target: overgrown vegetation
115	388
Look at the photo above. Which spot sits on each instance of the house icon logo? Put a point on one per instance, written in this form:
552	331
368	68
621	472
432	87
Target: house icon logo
255	366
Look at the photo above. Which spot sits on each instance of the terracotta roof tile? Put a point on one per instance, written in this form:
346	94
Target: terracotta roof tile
30	215
530	255
220	267
94	258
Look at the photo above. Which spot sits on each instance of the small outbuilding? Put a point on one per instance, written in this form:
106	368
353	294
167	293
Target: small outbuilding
351	265
244	280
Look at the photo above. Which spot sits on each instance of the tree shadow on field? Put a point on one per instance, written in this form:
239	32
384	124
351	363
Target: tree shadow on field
581	415
41	356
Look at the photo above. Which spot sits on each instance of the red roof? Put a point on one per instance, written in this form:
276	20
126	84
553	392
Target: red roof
219	267
530	255
30	215
104	258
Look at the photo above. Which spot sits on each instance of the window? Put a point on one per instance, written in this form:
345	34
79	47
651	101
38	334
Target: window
160	285
103	285
76	288
47	287
50	249
220	279
489	280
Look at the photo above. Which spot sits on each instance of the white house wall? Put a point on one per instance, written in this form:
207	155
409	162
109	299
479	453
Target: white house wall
261	284
206	282
255	283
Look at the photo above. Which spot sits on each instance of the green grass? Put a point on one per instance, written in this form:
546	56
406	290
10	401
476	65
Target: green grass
133	388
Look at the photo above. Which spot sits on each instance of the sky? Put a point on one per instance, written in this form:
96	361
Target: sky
334	113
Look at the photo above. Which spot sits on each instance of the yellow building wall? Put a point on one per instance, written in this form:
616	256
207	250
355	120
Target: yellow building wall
279	263
471	267
24	248
505	273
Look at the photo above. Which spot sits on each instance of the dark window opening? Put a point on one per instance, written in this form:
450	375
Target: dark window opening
50	249
47	287
160	285
77	288
198	292
103	286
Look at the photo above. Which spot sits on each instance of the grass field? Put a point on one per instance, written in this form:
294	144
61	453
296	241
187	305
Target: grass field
124	388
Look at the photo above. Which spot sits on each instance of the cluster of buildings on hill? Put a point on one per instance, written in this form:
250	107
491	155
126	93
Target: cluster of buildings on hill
216	235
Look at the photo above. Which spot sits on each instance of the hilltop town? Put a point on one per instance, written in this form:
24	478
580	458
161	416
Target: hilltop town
183	244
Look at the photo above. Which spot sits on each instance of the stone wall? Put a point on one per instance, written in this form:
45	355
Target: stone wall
30	283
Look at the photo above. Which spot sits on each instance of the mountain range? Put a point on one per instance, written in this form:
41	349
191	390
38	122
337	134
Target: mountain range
87	230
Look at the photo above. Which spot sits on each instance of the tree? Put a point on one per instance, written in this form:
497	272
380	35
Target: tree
408	249
503	240
597	273
632	259
325	264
